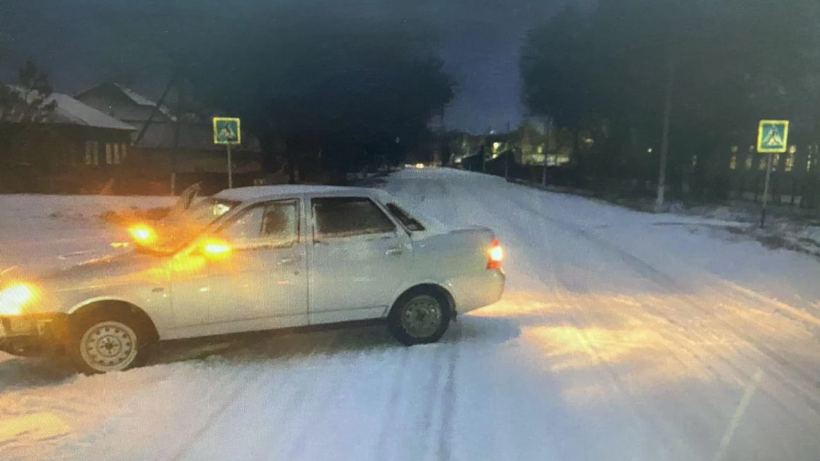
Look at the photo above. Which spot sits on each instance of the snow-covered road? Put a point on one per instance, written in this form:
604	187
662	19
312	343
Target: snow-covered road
621	336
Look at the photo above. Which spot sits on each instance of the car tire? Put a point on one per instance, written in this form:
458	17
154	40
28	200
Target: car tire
101	342
420	316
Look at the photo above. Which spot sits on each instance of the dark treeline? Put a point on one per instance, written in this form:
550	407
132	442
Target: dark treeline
610	75
324	82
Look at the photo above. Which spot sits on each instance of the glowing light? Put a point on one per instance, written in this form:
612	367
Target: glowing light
495	254
14	298
420	165
143	234
216	249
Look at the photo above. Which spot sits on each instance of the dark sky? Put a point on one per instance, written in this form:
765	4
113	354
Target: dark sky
480	44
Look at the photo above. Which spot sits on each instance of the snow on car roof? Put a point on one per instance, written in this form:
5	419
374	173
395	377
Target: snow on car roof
260	192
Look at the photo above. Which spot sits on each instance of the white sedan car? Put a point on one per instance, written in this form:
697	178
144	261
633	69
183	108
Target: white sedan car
251	259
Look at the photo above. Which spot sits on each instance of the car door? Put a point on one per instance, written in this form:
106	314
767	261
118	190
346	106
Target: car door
359	258
262	284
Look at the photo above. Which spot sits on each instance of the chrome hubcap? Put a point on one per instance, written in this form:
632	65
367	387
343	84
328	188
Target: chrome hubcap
421	317
109	346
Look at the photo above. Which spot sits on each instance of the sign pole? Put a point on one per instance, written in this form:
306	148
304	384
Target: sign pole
766	191
547	153
230	169
772	138
228	131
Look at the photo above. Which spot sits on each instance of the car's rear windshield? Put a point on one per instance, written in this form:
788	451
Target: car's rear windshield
405	218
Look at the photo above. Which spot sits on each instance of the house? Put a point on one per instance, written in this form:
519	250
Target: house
124	104
73	140
173	145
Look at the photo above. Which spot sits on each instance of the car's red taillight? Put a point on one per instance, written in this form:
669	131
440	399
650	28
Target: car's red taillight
495	254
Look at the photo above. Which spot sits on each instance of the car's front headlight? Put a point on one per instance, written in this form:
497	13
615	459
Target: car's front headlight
14	298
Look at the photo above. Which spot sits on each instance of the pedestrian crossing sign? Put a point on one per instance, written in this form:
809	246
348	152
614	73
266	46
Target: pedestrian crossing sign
773	137
227	131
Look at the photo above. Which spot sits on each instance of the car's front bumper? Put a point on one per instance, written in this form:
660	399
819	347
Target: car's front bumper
33	335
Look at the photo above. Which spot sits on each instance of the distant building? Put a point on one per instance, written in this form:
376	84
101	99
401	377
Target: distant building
124	104
171	143
74	138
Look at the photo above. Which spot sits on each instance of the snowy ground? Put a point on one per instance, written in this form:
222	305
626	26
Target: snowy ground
621	336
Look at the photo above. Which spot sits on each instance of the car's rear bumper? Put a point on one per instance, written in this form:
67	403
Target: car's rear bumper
33	335
473	292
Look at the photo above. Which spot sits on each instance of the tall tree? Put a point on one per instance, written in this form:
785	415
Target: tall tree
334	80
28	101
734	62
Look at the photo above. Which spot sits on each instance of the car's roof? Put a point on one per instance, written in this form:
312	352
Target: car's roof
245	194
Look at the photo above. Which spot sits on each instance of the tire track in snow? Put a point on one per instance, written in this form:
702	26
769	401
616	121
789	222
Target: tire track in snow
641	411
392	405
665	281
246	384
447	402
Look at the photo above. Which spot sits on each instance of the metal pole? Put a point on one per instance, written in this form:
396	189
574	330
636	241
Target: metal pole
507	165
230	169
667	116
766	190
547	153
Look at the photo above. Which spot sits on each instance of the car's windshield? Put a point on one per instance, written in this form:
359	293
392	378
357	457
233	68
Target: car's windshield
178	229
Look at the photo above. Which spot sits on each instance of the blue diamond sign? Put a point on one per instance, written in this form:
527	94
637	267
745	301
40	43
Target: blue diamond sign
773	137
227	131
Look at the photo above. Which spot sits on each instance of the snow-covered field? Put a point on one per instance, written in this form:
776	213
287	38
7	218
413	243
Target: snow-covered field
621	336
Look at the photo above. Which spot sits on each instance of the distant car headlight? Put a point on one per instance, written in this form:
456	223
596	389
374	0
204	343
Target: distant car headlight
14	298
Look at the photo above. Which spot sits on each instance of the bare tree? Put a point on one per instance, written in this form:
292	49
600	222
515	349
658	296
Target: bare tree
29	101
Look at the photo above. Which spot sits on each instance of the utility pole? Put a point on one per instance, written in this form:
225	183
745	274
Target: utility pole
547	152
667	116
484	152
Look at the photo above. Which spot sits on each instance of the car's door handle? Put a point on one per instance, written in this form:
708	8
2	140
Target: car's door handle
394	251
289	260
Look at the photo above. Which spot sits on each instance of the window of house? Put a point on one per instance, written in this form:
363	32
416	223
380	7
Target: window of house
108	154
116	148
338	217
733	163
123	151
92	153
89	155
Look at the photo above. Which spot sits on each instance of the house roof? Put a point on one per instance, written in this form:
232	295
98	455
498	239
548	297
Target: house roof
69	110
73	112
191	136
132	95
141	100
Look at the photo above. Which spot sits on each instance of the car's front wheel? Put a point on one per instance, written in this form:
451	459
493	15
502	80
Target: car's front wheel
101	343
421	316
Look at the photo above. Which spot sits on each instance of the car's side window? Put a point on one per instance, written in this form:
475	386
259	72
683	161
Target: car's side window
246	227
337	217
280	224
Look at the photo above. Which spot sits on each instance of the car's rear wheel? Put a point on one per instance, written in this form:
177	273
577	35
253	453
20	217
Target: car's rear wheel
103	343
421	316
